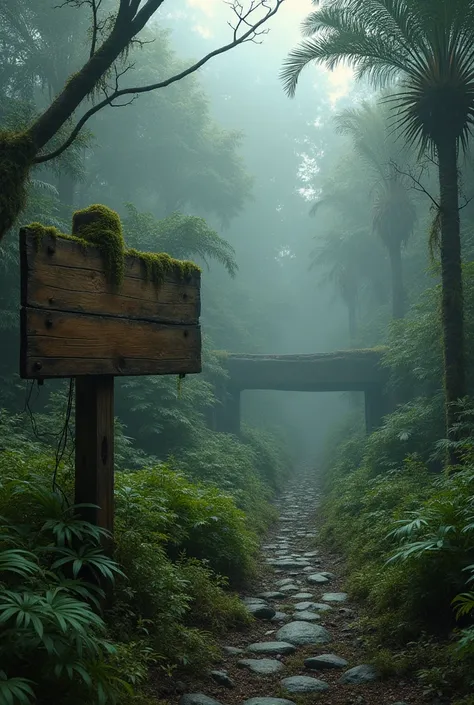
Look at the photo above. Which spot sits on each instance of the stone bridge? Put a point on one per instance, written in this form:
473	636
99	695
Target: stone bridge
347	370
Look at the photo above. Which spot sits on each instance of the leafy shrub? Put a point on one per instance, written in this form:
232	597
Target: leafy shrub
271	459
172	537
52	637
196	519
222	459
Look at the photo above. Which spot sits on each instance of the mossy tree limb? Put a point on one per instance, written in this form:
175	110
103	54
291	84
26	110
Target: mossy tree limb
19	152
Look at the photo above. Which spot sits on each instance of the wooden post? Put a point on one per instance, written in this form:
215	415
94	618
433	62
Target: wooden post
95	448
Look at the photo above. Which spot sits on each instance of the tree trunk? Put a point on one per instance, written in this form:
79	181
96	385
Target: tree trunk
452	286
398	291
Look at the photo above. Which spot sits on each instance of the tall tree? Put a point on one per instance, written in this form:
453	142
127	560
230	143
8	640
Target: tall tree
426	47
111	35
334	253
385	162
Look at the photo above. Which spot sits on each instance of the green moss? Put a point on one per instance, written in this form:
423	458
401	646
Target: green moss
158	265
16	157
39	232
100	226
221	355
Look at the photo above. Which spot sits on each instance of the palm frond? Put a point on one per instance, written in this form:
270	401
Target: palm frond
426	46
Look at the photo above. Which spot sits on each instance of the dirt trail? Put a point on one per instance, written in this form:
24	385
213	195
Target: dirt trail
314	618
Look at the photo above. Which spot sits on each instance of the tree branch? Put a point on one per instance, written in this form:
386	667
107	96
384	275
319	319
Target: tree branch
418	186
95	25
248	35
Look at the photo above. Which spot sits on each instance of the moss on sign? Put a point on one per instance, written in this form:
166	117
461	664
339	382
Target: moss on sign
100	226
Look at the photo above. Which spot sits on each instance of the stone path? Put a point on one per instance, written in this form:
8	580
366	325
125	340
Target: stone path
305	640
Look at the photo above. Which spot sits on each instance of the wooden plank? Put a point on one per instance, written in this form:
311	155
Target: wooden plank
56	344
94	483
60	275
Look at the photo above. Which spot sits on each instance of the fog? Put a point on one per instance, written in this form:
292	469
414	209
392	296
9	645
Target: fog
286	144
236	351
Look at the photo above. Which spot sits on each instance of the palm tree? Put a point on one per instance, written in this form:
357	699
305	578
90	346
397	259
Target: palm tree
426	46
394	214
334	254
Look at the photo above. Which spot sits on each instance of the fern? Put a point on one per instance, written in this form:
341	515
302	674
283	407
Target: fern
15	691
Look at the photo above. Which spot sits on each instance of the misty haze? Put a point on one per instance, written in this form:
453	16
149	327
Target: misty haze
236	352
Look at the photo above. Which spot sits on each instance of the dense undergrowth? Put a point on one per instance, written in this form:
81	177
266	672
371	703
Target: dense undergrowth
186	534
404	522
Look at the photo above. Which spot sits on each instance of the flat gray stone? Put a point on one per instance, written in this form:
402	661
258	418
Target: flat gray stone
285	581
268	701
359	674
310	554
272	595
303	596
317	578
222	678
301	633
197	699
289	588
335	596
261	611
232	650
307	616
324	662
280	617
314	606
272	647
262	666
254	600
303	684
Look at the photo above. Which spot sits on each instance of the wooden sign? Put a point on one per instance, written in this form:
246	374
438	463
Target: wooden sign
75	323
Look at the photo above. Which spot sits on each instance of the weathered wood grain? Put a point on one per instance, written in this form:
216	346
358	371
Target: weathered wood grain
61	275
62	344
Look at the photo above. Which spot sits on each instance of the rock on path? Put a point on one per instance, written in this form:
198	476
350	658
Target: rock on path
272	647
304	684
197	699
302	634
324	662
360	674
263	666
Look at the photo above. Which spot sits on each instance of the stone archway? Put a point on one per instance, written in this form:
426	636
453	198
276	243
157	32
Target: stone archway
342	371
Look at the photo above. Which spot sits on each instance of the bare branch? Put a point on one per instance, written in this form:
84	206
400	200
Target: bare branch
249	34
467	201
95	25
416	181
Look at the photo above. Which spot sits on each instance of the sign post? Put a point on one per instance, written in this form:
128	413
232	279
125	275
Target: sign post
76	323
